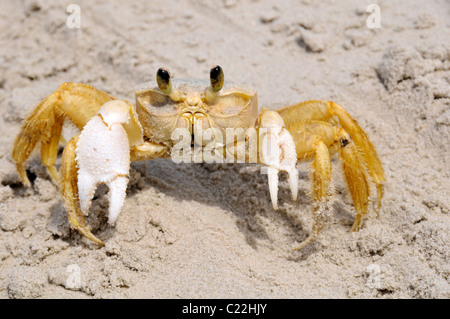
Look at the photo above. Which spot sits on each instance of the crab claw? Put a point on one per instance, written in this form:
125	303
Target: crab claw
277	151
103	156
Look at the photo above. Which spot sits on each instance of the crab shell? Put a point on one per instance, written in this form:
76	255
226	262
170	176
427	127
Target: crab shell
233	107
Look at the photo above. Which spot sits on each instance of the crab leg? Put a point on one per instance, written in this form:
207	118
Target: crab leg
316	139
311	145
44	124
326	111
277	152
100	154
354	171
38	127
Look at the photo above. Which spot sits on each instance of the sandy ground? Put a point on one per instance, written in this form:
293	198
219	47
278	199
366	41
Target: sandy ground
209	231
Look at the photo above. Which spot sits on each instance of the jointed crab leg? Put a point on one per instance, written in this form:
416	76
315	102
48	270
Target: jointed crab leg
310	145
49	145
327	111
317	134
44	124
354	171
314	139
80	103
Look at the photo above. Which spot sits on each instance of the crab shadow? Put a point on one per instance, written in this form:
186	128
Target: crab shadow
239	189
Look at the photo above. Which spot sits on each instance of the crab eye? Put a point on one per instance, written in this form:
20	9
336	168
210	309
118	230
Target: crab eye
217	78
163	79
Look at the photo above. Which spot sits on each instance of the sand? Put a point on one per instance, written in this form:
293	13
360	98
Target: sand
209	230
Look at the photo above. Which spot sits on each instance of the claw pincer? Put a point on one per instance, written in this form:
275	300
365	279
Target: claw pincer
103	156
277	152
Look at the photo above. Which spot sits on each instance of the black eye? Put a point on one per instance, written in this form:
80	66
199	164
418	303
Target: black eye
217	78
163	80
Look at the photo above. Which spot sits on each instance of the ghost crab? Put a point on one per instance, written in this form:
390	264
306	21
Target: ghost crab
115	133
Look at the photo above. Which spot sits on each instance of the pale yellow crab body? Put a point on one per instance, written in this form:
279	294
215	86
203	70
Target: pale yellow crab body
176	118
160	115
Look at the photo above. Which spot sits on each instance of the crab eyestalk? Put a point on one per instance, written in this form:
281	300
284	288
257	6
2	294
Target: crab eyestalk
217	78
165	84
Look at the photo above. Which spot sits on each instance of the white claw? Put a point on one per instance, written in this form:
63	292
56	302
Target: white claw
103	156
117	192
279	154
272	174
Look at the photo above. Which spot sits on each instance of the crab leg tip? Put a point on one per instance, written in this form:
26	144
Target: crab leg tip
87	233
